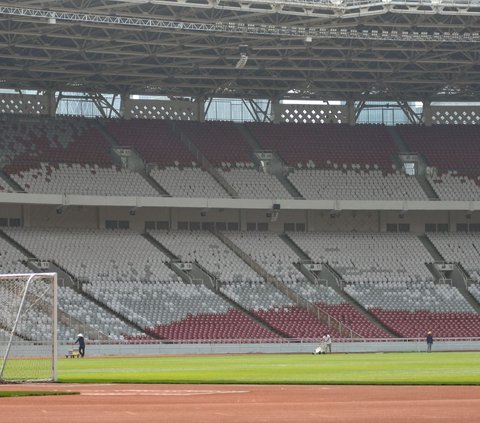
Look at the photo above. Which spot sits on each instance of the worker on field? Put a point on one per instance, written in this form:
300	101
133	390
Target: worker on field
328	342
429	341
81	344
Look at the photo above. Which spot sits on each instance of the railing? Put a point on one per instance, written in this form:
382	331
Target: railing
447	281
346	340
466	278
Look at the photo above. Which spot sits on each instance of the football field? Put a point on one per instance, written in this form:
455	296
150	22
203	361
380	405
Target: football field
443	368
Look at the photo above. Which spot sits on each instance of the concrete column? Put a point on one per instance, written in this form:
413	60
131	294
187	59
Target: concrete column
200	109
351	112
275	111
427	113
123	106
51	103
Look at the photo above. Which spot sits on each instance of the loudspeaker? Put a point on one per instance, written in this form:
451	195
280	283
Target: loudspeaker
276	207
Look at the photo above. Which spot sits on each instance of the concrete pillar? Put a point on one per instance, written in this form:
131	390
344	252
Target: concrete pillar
51	103
123	105
427	113
200	109
351	112
275	110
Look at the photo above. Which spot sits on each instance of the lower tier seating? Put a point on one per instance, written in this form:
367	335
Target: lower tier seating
413	324
276	309
353	319
232	326
295	322
413	309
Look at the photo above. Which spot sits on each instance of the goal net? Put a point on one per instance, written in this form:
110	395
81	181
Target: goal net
28	327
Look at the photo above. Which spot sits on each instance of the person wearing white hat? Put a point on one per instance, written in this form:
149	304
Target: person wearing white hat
81	344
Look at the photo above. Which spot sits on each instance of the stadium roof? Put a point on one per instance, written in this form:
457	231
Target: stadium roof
319	49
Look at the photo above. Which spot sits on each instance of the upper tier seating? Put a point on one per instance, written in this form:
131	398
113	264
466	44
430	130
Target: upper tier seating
463	248
83	180
188	182
374	257
453	187
5	186
25	142
64	156
355	184
453	151
218	141
226	149
341	161
154	140
252	183
175	168
446	147
325	144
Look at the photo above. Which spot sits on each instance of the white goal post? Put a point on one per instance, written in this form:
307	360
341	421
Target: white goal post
28	327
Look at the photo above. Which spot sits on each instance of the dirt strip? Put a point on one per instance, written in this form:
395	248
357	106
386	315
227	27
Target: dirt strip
119	403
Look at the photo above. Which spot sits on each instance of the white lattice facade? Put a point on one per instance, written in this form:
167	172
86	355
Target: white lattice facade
455	115
306	113
160	109
23	104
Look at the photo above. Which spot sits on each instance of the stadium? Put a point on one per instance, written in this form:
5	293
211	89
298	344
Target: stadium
209	187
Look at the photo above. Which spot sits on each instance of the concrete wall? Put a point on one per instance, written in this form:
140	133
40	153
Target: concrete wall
402	345
82	216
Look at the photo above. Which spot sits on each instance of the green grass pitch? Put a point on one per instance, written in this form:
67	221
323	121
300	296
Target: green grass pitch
452	368
10	394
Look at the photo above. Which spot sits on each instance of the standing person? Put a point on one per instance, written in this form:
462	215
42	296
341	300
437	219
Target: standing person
328	343
429	341
81	344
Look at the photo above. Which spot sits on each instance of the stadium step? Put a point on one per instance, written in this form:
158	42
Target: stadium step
459	276
431	248
334	280
7	178
184	139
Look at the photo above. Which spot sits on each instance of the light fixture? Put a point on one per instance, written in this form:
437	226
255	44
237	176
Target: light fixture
243	49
